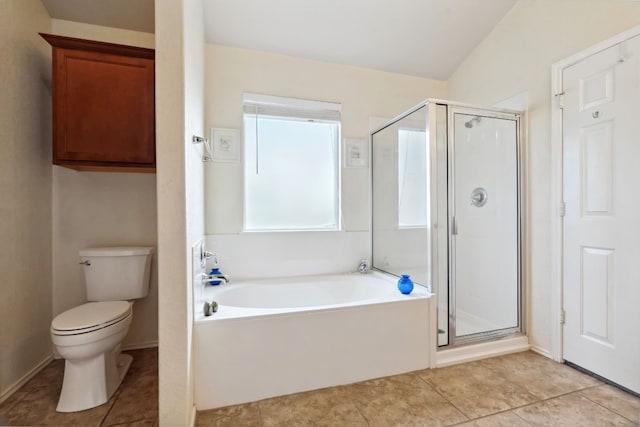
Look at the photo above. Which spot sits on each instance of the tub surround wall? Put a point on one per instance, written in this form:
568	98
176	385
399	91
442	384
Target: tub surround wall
103	209
289	253
267	255
363	93
25	191
516	58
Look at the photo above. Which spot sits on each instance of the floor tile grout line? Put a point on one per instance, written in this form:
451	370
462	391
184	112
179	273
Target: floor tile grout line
607	408
557	397
433	387
115	399
355	403
490	415
10	408
260	420
540	399
517	415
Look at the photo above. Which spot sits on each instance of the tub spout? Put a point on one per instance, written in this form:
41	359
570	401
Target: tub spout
209	277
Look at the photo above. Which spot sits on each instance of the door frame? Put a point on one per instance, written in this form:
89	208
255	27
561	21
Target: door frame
557	191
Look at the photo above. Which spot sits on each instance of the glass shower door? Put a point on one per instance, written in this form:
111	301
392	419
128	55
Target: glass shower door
483	224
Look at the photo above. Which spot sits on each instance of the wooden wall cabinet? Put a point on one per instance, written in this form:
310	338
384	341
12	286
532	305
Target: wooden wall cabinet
103	105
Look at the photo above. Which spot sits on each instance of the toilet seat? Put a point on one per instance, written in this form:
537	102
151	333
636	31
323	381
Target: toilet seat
90	317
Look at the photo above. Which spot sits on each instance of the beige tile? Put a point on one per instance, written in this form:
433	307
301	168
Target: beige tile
137	400
38	408
402	400
327	407
246	415
477	390
35	402
6	406
145	362
142	423
616	400
51	374
570	410
503	419
540	376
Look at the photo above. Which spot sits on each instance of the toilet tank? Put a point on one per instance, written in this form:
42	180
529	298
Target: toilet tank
117	273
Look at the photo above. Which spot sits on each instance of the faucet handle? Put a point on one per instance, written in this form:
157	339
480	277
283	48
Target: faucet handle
364	266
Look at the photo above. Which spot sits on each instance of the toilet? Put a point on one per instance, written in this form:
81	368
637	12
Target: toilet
89	336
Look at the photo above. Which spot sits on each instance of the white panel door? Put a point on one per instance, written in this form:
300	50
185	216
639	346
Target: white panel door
601	184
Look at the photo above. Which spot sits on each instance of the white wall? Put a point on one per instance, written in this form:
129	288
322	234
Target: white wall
179	115
516	58
363	94
103	209
25	190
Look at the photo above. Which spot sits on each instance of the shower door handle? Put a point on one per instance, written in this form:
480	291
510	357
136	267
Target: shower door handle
454	226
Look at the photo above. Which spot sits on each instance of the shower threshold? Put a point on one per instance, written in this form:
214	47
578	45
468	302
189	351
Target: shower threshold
469	353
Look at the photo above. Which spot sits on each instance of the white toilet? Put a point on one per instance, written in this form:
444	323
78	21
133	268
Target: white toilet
89	336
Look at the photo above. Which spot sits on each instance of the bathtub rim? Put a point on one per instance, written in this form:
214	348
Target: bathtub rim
232	312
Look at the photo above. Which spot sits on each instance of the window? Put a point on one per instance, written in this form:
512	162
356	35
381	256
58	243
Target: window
291	164
413	179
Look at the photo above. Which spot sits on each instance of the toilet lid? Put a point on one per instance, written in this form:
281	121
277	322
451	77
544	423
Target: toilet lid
91	315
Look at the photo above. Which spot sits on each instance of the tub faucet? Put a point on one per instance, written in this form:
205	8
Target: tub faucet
364	266
209	277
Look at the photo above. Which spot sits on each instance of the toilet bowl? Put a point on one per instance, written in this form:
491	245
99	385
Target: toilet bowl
89	336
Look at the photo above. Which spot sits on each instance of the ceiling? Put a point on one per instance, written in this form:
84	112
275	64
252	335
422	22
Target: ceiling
134	15
424	38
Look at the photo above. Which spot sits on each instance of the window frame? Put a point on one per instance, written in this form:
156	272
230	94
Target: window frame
294	109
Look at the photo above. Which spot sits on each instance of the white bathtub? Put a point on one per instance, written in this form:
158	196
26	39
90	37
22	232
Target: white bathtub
275	337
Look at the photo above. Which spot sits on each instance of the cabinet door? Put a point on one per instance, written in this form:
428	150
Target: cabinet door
103	109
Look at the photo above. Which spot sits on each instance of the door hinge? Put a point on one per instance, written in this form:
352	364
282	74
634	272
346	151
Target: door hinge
563	316
560	98
563	209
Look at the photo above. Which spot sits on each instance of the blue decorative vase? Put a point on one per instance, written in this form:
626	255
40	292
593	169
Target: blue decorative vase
405	284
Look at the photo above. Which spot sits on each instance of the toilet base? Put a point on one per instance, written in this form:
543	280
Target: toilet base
91	382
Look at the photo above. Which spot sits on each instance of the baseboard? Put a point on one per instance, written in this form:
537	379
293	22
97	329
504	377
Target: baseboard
22	381
541	351
140	345
469	353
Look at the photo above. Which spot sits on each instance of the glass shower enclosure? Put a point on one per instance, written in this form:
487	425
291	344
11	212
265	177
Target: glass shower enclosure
447	210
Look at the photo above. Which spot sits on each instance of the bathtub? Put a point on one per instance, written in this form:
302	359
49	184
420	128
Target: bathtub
280	336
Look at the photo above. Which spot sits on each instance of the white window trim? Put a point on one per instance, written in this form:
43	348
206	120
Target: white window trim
277	106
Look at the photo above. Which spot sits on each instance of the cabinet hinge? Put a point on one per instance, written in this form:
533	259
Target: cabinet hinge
563	209
560	99
563	315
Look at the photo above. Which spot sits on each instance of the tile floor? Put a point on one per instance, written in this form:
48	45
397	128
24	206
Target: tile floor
523	389
135	403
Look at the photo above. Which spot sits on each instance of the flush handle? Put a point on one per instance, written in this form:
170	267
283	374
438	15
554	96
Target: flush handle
85	262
